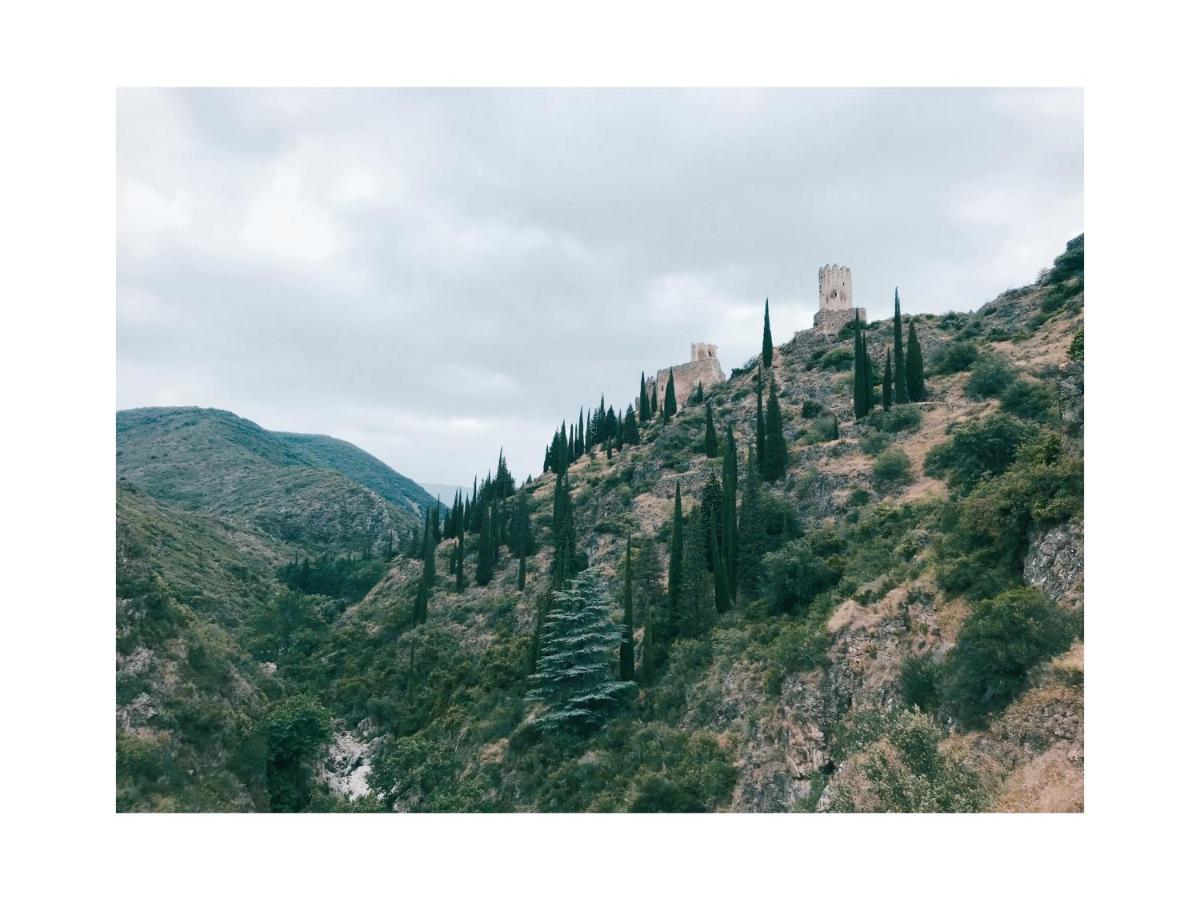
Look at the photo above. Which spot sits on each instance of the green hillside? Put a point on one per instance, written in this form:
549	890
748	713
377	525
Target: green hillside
302	491
902	630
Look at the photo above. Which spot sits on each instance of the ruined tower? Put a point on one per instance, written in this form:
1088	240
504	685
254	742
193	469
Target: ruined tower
836	299
704	368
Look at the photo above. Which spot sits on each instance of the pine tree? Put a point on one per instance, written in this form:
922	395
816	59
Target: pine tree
752	536
729	489
900	394
627	617
632	434
774	464
669	406
643	409
573	676
768	347
710	433
675	568
914	366
887	381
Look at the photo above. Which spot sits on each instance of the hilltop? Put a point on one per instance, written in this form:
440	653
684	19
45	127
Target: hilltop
910	640
315	491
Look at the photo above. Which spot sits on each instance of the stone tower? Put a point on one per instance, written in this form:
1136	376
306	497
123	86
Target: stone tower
703	368
836	299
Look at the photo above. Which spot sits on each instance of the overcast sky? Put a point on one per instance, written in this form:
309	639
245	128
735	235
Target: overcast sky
432	274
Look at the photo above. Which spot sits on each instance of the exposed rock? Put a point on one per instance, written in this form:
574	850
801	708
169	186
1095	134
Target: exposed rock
1054	563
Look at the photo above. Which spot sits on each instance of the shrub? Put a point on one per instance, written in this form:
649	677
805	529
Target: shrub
811	409
839	359
919	677
874	442
896	419
990	375
1029	400
1002	639
794	575
891	469
978	448
958	356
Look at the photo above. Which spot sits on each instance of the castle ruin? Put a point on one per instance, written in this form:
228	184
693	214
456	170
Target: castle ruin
704	368
836	299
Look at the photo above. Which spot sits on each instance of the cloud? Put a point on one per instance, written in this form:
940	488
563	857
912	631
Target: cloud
434	273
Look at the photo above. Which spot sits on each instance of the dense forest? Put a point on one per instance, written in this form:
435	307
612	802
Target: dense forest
848	578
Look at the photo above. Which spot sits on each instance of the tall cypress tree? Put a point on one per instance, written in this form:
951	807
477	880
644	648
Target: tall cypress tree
697	610
710	433
760	427
483	555
887	381
654	401
869	368
901	392
774	464
627	617
729	489
459	561
425	585
564	529
670	407
914	365
651	608
860	374
752	536
643	401
675	568
768	347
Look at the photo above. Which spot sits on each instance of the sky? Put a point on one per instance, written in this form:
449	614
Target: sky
436	274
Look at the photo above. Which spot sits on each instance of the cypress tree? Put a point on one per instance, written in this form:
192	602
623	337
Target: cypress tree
698	394
436	521
650	609
654	401
774	464
459	554
565	542
760	428
643	409
860	374
720	572
669	407
914	365
675	568
729	489
483	560
425	585
632	435
752	536
768	347
900	395
627	617
710	433
697	611
504	485
869	368
887	381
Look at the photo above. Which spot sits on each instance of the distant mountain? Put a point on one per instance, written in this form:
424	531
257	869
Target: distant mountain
321	493
444	492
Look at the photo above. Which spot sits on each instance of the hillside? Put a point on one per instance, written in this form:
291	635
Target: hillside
311	490
907	637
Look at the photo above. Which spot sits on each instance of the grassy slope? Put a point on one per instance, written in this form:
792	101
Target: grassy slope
215	462
766	695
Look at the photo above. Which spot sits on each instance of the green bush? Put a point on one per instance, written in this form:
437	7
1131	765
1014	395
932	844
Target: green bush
794	575
1029	400
874	442
895	420
1002	639
919	682
958	356
810	409
891	469
990	375
978	448
839	359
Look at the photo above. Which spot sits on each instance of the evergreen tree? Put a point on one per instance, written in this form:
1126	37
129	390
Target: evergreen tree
869	368
632	435
675	568
752	535
760	428
860	373
698	393
900	394
669	406
697	611
768	347
483	560
573	677
774	464
564	531
459	562
719	570
710	433
887	381
425	585
729	489
651	608
416	549
503	485
436	521
914	365
643	409
654	402
627	617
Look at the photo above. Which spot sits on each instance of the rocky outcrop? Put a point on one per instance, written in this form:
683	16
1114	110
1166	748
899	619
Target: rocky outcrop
1054	563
